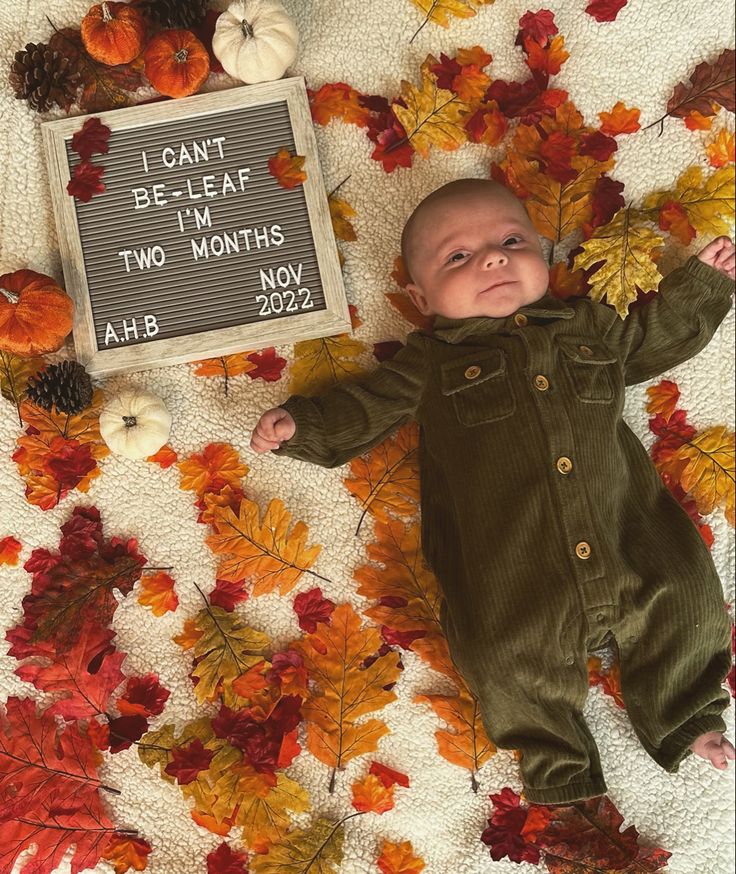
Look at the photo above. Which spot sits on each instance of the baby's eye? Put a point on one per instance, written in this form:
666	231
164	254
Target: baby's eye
515	239
453	259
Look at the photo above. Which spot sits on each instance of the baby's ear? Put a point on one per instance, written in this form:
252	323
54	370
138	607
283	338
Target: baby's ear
420	301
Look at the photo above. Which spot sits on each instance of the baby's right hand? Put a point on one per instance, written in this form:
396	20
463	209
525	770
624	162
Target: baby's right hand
273	428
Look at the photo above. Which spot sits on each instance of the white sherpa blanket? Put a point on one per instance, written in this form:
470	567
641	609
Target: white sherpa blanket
638	59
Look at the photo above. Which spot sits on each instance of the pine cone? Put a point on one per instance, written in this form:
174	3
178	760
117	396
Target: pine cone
175	13
43	77
66	386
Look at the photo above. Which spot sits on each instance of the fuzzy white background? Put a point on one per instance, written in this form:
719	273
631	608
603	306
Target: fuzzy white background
637	59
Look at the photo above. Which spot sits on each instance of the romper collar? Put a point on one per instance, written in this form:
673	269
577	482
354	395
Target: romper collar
455	330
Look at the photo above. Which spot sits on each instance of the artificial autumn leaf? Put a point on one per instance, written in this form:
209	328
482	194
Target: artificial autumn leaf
267	552
228	594
432	116
708	471
320	364
225	860
287	169
663	398
91	139
610	681
605	10
505	832
338	100
317	849
439	11
217	466
341	212
86	181
267	365
164	458
312	608
708	203
386	480
14	373
407	592
39	764
10	550
466	744
143	696
370	795
625	248
619	120
333	656
187	761
224	648
399	859
722	149
125	852
224	365
157	592
709	84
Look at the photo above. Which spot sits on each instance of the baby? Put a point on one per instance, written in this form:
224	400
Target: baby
547	525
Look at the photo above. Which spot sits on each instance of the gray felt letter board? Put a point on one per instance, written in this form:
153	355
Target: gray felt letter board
194	249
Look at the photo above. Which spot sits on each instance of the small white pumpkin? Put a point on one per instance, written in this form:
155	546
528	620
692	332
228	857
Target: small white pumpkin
255	40
135	424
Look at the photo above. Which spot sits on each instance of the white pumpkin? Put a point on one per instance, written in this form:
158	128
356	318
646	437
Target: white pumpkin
135	424
255	40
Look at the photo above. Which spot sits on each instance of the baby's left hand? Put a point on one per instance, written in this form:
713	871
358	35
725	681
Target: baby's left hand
721	255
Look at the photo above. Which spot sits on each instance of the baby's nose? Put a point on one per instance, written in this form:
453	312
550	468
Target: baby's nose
495	256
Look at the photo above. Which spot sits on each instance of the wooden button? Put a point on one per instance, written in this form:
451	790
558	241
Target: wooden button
472	371
564	465
541	382
586	351
520	319
582	550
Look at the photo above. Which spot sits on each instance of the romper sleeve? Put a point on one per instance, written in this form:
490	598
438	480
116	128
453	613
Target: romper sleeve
352	417
676	324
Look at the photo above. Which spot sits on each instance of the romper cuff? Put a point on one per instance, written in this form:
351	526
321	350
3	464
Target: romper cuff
309	427
675	748
581	790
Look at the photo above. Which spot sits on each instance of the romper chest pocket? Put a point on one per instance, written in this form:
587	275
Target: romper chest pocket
589	366
479	386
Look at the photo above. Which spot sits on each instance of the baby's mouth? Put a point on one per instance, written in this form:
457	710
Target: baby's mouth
498	285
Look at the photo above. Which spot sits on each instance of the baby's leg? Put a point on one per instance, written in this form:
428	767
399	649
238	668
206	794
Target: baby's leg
715	747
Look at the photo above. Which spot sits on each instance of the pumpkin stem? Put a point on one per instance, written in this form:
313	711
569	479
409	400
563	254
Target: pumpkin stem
247	28
130	421
106	14
11	296
181	55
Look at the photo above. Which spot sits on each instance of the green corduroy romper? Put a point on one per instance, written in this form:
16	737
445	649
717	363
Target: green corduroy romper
546	522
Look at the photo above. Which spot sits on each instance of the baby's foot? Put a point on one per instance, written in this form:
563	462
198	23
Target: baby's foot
713	746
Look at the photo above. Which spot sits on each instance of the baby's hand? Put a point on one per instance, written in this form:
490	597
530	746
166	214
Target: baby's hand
721	255
273	428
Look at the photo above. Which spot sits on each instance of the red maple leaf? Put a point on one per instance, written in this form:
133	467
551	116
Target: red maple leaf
223	860
86	181
504	831
126	730
143	696
228	593
188	761
91	139
605	10
312	608
69	461
269	365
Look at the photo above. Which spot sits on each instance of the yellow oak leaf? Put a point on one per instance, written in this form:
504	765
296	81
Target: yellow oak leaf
440	11
709	203
399	858
387	478
625	248
317	849
432	116
266	551
709	471
217	466
225	649
340	213
334	655
265	820
320	364
468	745
157	592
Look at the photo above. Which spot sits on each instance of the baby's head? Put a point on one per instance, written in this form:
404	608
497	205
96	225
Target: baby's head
465	238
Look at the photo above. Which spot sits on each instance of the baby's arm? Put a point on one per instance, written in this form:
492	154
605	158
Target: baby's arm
679	321
274	426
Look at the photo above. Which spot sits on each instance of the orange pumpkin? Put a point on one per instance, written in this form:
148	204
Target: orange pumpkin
176	63
39	320
113	33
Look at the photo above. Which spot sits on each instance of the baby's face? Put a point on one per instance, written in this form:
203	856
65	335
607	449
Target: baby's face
476	256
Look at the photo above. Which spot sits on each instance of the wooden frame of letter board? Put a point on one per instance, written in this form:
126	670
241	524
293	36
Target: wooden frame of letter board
334	319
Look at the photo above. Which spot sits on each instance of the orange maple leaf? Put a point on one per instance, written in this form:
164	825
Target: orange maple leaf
663	398
224	365
371	795
125	852
266	551
10	550
387	478
619	120
399	859
219	465
550	58
334	656
165	457
468	745
721	150
337	100
474	55
157	592
286	169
